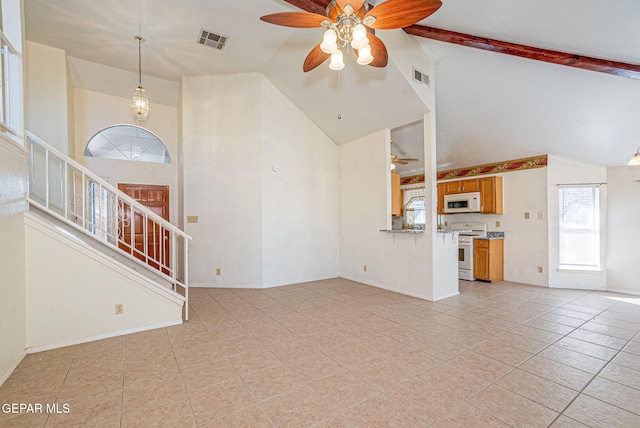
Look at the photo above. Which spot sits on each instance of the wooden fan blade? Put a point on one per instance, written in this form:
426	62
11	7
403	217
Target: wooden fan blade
408	159
315	58
357	4
295	19
378	51
401	13
401	162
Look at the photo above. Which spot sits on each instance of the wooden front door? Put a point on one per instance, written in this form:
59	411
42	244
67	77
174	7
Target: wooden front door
132	225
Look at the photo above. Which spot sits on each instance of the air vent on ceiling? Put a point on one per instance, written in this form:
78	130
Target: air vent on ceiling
421	77
210	39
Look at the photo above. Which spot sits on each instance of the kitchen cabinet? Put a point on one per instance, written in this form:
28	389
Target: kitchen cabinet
491	195
396	195
488	259
461	186
490	189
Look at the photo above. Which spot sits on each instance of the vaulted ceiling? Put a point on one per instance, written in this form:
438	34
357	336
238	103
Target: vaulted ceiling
489	106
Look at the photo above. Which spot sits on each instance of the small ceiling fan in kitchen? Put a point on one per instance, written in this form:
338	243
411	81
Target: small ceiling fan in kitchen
402	161
352	23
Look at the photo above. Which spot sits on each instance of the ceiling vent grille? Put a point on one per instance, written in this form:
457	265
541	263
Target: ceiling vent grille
421	77
210	39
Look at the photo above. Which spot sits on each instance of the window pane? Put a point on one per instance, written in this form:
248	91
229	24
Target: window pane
579	227
127	142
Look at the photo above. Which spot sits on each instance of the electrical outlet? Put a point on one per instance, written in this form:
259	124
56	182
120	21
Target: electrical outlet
540	269
446	223
218	271
192	219
526	215
497	223
365	268
119	308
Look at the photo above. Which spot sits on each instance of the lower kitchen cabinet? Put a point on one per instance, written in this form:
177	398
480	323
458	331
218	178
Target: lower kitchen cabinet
488	259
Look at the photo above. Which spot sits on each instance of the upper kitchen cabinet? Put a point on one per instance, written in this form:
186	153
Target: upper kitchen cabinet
462	186
490	189
491	195
396	195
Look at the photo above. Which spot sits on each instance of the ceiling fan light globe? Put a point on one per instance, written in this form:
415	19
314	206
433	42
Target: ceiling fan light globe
337	61
359	33
328	48
360	44
364	56
329	42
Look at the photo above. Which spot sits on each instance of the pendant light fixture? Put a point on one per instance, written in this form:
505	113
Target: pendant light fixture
140	100
635	160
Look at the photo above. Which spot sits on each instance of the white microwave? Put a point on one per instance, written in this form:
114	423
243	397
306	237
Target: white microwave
462	203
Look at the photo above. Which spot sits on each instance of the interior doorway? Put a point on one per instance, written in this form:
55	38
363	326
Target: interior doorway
132	225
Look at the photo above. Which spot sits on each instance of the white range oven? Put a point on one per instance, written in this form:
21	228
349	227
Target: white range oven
467	232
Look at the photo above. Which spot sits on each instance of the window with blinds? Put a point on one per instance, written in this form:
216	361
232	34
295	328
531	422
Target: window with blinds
414	207
410	193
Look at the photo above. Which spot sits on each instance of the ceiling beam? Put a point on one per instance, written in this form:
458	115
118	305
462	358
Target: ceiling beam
313	6
572	60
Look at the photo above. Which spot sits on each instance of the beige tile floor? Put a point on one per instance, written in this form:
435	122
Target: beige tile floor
337	353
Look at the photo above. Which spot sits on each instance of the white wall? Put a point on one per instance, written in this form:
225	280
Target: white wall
13	188
47	106
71	298
300	230
95	111
526	241
623	261
223	178
258	226
398	262
565	171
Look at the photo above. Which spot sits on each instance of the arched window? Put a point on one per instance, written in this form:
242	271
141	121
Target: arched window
127	142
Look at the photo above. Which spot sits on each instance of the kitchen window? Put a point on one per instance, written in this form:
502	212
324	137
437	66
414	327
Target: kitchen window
414	207
579	227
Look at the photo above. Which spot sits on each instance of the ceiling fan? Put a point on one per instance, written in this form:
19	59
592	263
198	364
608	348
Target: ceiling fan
402	161
352	23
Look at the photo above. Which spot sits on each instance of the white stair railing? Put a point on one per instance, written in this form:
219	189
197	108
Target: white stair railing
70	192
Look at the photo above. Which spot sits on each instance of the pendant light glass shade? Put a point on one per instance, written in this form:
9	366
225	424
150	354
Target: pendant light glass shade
140	100
635	160
140	104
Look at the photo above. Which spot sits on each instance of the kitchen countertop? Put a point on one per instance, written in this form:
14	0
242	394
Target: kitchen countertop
493	235
402	230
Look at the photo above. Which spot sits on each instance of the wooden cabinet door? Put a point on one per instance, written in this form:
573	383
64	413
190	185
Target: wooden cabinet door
470	186
396	195
451	187
491	195
441	191
481	259
488	259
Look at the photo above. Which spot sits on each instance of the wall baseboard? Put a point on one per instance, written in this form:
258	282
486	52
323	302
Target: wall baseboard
623	291
395	290
4	376
48	347
259	287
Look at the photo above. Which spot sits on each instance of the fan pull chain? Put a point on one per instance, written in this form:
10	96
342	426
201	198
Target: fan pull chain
339	96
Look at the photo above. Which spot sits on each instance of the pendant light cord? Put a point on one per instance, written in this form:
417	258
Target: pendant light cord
139	61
